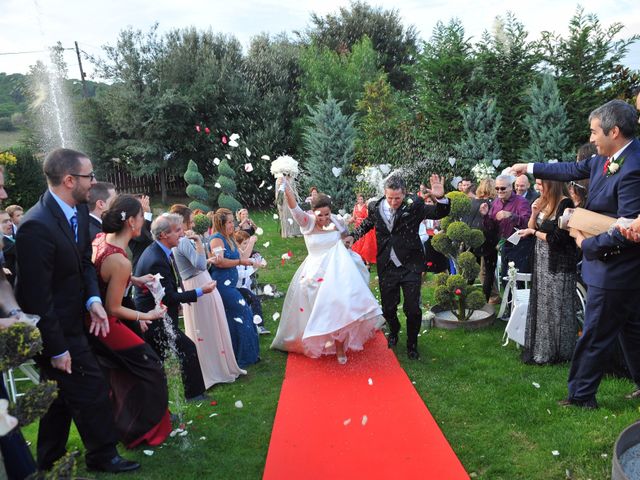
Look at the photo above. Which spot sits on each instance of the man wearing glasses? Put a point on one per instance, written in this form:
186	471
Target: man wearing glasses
58	282
507	213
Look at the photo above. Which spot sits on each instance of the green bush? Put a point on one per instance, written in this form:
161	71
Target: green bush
460	204
458	231
441	278
475	300
25	180
441	243
457	281
469	267
227	201
475	238
201	224
442	296
195	189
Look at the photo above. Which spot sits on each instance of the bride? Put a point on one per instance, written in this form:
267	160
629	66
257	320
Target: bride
329	308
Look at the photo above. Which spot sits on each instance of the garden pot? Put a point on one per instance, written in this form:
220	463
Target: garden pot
627	467
481	318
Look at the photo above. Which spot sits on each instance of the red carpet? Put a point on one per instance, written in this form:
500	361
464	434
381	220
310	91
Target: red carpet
399	438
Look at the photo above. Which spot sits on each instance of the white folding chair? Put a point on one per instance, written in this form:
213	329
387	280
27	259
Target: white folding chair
517	323
29	373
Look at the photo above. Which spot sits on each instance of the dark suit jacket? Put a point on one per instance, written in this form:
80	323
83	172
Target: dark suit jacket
154	260
55	275
138	244
531	195
403	237
95	227
9	253
609	261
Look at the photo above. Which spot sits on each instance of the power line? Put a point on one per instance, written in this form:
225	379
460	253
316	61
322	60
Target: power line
31	51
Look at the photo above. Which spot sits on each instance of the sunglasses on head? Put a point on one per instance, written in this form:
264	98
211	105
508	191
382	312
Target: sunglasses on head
501	189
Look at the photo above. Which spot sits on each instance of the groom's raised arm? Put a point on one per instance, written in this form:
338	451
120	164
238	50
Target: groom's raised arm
562	171
366	225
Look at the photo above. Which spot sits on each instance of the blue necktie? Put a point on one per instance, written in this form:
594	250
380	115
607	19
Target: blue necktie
73	221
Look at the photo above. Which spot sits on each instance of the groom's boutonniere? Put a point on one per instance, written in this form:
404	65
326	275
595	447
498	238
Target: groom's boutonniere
612	166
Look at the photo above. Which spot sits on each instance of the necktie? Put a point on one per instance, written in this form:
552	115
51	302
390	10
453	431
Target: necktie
606	166
73	221
174	268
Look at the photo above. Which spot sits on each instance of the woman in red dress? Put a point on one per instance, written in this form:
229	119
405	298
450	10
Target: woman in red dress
367	246
135	373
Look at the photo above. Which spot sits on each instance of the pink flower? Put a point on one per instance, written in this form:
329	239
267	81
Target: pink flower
458	291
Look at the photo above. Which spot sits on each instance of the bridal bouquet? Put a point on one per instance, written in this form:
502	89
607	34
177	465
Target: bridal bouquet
482	170
284	166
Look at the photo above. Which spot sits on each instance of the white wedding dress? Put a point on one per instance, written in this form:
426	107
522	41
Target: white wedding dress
328	298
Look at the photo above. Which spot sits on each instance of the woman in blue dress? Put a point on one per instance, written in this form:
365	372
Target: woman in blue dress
244	335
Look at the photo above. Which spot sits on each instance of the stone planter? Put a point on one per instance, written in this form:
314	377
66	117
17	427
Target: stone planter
481	318
627	467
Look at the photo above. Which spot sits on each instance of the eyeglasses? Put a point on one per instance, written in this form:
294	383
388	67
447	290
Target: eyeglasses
500	189
91	175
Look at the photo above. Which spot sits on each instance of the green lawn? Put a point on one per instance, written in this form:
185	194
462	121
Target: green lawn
500	425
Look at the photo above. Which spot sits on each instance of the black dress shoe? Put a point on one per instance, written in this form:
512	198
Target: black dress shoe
412	353
586	404
392	340
198	398
116	465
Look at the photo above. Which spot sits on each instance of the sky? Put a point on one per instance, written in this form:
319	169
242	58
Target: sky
33	25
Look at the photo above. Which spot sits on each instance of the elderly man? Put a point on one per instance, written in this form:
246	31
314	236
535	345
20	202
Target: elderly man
523	188
158	258
509	212
610	262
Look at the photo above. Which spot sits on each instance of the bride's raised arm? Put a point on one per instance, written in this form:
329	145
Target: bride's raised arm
303	219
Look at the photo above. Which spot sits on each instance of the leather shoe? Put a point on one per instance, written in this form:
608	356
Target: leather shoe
392	340
198	398
634	394
412	353
587	404
116	465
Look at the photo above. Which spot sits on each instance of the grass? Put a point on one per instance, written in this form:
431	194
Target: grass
499	424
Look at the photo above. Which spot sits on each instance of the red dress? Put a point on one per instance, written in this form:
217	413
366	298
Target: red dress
139	392
367	246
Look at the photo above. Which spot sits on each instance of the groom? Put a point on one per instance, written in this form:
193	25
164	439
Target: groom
400	258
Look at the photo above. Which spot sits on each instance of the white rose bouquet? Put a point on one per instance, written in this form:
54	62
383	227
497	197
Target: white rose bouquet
284	166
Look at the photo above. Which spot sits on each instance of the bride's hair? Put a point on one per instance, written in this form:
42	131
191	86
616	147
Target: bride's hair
320	201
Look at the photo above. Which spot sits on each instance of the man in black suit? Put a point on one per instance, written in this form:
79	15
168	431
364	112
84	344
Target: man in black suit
400	257
610	262
8	247
138	244
158	258
100	197
522	187
58	282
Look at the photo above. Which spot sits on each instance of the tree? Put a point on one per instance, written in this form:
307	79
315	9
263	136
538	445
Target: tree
481	123
225	182
505	67
25	178
444	78
329	146
344	74
546	123
195	189
584	65
395	44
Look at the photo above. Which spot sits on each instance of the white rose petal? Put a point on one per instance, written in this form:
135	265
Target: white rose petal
234	137
269	187
242	302
217	185
275	216
248	152
228	156
227	283
276	316
213	415
409	201
259	231
328	344
370	381
239	320
555	453
184	434
535	384
216	161
148	453
173	433
257	319
248	167
203	438
364	420
239	404
265	157
290	220
266	244
233	143
347	422
262	184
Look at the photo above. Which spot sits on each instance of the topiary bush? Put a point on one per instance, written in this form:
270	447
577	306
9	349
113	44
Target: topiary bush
228	187
455	240
201	223
195	189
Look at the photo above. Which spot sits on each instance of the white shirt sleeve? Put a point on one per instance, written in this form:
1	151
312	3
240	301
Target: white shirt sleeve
530	168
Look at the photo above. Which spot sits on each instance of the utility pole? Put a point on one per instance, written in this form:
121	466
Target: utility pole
82	75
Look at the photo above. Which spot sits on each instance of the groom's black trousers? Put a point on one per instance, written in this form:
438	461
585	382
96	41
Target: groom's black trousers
392	279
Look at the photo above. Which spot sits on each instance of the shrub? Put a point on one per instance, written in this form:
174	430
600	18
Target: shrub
201	223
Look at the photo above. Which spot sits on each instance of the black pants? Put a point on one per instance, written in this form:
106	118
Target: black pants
83	397
18	461
490	262
186	351
392	279
254	302
609	314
